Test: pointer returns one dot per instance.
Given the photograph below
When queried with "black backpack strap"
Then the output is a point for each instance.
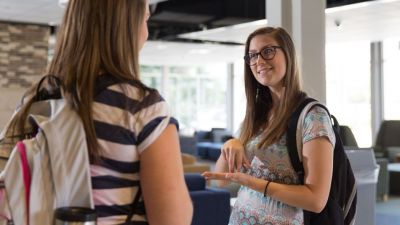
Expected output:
(53, 91)
(133, 206)
(291, 139)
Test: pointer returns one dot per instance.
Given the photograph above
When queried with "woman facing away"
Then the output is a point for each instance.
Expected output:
(131, 137)
(271, 192)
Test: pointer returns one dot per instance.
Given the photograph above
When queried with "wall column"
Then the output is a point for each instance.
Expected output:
(305, 21)
(377, 93)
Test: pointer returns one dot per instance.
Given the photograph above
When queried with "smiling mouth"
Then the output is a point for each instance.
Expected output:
(264, 70)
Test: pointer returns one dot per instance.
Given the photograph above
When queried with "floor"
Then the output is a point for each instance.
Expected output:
(388, 213)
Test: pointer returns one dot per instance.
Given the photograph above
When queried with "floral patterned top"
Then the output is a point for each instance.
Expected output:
(273, 163)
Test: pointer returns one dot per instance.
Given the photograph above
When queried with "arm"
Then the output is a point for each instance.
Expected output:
(318, 166)
(165, 193)
(312, 196)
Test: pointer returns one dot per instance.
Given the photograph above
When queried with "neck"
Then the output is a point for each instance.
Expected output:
(276, 96)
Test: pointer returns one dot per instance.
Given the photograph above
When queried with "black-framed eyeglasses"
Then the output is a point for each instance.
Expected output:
(266, 53)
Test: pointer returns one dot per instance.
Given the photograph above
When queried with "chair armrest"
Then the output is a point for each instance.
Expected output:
(195, 182)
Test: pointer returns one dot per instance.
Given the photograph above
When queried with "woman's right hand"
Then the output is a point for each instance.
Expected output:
(233, 153)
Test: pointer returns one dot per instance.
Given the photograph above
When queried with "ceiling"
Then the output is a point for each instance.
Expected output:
(204, 31)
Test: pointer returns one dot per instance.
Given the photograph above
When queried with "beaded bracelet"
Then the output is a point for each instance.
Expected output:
(266, 187)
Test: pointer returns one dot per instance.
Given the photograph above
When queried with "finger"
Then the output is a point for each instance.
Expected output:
(246, 162)
(214, 176)
(234, 177)
(238, 163)
(223, 151)
(231, 161)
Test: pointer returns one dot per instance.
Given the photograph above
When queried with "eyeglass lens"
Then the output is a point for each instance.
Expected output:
(267, 53)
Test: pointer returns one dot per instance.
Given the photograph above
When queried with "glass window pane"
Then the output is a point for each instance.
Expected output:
(391, 79)
(151, 76)
(239, 96)
(348, 87)
(196, 94)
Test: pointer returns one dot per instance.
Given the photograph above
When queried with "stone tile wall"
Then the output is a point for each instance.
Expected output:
(23, 59)
(23, 53)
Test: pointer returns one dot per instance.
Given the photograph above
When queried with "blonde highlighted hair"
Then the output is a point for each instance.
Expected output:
(95, 37)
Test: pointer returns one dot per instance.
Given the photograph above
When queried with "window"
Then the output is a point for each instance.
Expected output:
(391, 79)
(348, 87)
(196, 94)
(151, 76)
(239, 95)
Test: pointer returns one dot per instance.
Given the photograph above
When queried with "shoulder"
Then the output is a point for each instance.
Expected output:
(317, 123)
(131, 97)
(317, 114)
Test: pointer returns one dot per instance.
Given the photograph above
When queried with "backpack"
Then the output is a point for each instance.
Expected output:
(340, 208)
(43, 171)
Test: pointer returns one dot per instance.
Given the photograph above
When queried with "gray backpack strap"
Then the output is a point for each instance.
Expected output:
(294, 136)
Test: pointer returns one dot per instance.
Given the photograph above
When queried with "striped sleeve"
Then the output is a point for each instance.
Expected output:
(148, 116)
(151, 123)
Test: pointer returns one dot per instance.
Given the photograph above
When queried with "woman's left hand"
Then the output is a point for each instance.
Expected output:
(238, 177)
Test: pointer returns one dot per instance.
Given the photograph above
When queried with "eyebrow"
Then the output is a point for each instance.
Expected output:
(265, 46)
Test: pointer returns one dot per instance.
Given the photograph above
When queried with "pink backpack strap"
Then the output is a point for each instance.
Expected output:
(26, 175)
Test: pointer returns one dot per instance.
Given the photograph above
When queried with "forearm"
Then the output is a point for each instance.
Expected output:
(221, 167)
(301, 196)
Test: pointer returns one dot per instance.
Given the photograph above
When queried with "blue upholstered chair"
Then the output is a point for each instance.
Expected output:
(209, 143)
(211, 205)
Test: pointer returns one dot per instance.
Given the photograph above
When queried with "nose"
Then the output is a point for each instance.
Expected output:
(259, 57)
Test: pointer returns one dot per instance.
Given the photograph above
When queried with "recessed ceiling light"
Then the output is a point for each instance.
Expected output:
(161, 46)
(63, 3)
(199, 51)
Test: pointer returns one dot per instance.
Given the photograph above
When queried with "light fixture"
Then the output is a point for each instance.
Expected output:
(63, 3)
(199, 51)
(338, 24)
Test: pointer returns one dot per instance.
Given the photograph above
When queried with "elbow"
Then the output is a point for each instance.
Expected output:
(186, 211)
(189, 211)
(318, 205)
(190, 218)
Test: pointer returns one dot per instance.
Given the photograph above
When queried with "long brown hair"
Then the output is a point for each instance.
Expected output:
(99, 36)
(258, 108)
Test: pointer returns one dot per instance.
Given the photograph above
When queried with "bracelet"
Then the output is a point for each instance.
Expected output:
(266, 187)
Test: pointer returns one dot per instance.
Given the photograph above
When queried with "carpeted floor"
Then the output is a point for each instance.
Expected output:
(388, 213)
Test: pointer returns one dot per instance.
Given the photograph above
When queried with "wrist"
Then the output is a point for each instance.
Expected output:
(266, 188)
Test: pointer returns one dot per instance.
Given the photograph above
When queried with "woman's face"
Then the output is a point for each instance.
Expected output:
(268, 72)
(144, 32)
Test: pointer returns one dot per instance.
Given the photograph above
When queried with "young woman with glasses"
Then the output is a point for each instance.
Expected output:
(270, 191)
